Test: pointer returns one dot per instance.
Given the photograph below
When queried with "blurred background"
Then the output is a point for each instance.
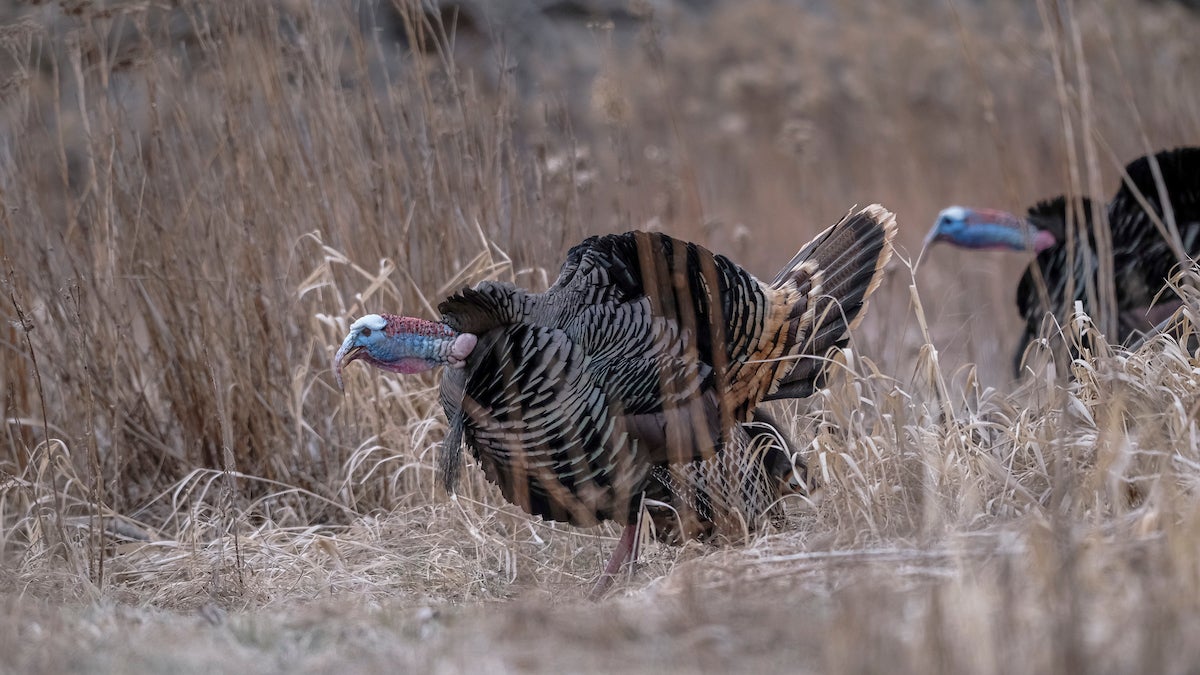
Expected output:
(198, 197)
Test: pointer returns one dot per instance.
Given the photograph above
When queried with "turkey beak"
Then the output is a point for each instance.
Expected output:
(345, 355)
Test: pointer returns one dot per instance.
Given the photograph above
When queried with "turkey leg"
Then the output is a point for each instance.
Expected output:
(620, 555)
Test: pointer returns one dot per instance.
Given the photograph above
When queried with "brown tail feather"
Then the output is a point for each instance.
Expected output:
(835, 274)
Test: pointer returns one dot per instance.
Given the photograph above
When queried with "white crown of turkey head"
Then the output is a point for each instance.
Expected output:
(954, 212)
(372, 321)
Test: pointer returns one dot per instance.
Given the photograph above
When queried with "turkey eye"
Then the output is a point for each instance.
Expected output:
(366, 332)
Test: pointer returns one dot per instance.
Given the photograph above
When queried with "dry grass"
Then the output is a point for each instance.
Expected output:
(196, 201)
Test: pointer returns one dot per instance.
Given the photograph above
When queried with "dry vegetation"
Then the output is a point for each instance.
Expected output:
(197, 200)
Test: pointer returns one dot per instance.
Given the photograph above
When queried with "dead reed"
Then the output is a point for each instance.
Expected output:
(197, 200)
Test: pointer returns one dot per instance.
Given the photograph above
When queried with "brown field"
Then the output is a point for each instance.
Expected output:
(197, 199)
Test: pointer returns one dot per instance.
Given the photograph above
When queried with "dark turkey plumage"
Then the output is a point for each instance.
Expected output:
(636, 377)
(1064, 232)
(647, 352)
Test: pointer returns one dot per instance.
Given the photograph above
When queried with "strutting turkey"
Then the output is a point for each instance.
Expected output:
(636, 377)
(1143, 253)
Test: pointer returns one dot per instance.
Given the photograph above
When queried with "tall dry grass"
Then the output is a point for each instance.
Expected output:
(198, 200)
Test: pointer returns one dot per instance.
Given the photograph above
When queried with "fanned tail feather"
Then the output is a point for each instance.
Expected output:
(834, 275)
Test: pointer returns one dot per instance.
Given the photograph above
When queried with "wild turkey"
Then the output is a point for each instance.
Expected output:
(1142, 257)
(636, 377)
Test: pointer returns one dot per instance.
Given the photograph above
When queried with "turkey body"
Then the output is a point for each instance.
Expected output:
(1140, 249)
(635, 378)
(1142, 255)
